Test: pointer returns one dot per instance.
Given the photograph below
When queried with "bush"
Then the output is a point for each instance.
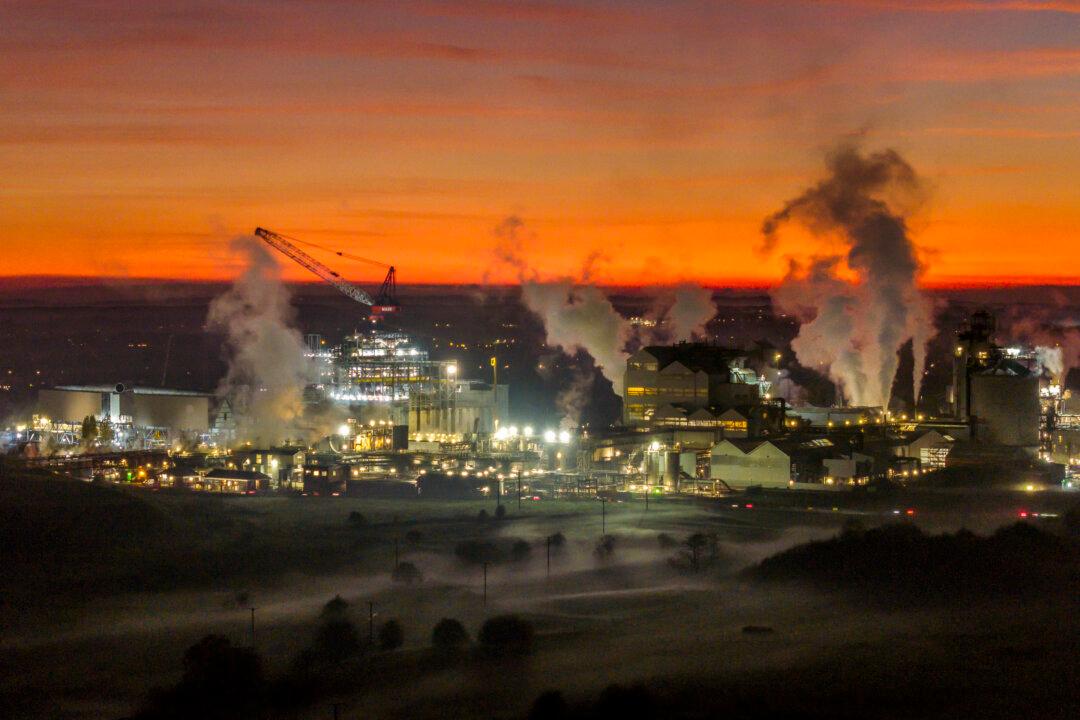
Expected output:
(520, 551)
(356, 519)
(500, 512)
(558, 541)
(605, 548)
(482, 516)
(407, 573)
(506, 635)
(391, 635)
(449, 636)
(476, 552)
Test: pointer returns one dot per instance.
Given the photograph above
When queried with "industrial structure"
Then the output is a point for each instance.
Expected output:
(992, 389)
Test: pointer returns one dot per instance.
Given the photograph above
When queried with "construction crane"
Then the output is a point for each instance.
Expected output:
(385, 301)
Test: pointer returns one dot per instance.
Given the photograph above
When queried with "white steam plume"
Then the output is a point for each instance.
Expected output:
(581, 318)
(691, 310)
(267, 369)
(572, 400)
(853, 330)
(576, 317)
(1057, 340)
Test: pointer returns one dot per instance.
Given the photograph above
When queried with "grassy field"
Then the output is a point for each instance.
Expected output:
(104, 588)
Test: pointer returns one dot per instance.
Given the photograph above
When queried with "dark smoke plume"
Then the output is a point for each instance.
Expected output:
(853, 330)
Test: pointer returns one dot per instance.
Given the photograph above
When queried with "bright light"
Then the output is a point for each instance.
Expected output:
(451, 369)
(550, 436)
(527, 431)
(513, 431)
(654, 446)
(343, 431)
(564, 437)
(502, 434)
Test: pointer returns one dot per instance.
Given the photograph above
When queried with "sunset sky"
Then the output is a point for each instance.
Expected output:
(136, 138)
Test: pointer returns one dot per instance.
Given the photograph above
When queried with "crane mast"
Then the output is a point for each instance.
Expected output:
(282, 245)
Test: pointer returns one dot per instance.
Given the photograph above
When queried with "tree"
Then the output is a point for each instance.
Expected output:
(407, 573)
(219, 680)
(356, 519)
(476, 552)
(335, 609)
(391, 635)
(605, 548)
(89, 430)
(520, 550)
(505, 635)
(106, 433)
(336, 640)
(449, 636)
(500, 512)
(550, 705)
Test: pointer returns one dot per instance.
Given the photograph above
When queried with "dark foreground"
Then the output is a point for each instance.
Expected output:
(119, 603)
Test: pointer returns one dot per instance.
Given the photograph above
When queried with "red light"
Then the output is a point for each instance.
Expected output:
(536, 497)
(1023, 513)
(911, 511)
(749, 506)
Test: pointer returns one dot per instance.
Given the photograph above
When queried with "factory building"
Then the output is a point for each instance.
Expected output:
(172, 410)
(1065, 448)
(689, 377)
(930, 448)
(282, 465)
(740, 464)
(996, 393)
(386, 380)
(802, 462)
(458, 408)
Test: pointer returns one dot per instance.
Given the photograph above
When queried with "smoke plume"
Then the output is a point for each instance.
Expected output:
(690, 311)
(580, 317)
(267, 369)
(510, 235)
(853, 329)
(576, 316)
(572, 400)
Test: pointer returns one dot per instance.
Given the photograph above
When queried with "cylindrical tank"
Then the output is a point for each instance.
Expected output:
(1006, 407)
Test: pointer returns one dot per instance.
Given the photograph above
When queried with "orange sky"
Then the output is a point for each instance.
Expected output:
(137, 138)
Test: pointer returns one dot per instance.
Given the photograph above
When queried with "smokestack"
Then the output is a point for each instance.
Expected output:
(853, 330)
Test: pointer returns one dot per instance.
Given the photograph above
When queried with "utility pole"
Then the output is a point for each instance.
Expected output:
(603, 516)
(252, 628)
(548, 543)
(485, 583)
(519, 490)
